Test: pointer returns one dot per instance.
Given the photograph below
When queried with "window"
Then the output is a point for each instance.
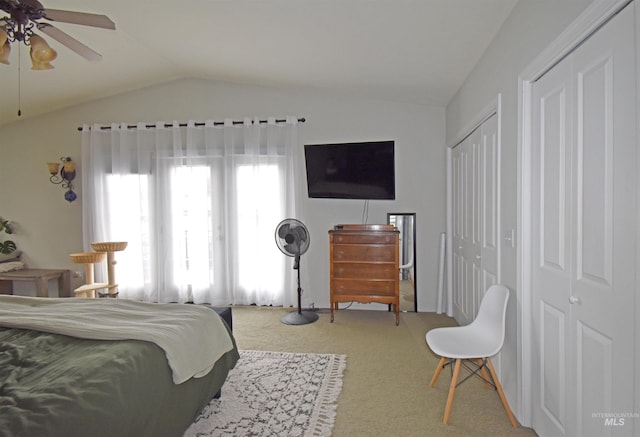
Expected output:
(259, 210)
(198, 207)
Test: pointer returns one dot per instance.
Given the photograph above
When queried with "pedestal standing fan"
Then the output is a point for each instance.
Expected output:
(292, 238)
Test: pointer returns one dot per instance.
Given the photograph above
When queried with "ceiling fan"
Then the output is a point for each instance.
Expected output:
(24, 18)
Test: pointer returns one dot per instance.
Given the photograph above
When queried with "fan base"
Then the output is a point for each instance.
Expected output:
(299, 318)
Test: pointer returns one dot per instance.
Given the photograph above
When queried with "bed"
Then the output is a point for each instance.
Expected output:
(78, 367)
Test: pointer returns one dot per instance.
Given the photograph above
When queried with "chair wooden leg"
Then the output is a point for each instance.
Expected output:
(484, 374)
(441, 364)
(501, 394)
(452, 390)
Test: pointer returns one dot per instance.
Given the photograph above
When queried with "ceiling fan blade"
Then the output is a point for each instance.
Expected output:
(70, 42)
(83, 18)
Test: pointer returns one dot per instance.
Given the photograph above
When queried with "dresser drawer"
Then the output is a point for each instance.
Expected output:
(357, 238)
(364, 252)
(357, 287)
(365, 270)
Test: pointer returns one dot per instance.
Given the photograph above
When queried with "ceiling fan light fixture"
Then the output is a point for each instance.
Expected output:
(5, 47)
(41, 53)
(41, 65)
(24, 16)
(5, 51)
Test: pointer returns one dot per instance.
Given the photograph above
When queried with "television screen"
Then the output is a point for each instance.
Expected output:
(351, 170)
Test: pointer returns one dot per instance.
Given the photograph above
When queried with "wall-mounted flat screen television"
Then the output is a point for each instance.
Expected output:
(364, 170)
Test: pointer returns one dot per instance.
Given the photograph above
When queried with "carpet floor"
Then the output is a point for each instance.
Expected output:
(385, 389)
(275, 394)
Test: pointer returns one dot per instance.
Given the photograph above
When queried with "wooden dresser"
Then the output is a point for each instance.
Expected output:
(364, 265)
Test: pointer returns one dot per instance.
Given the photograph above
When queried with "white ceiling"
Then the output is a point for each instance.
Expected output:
(416, 51)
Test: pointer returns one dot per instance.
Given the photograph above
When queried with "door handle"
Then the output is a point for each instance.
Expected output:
(573, 300)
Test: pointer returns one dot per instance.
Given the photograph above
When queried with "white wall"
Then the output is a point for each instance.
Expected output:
(531, 26)
(48, 228)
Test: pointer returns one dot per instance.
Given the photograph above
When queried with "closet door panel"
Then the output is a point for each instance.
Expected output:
(594, 171)
(605, 223)
(458, 211)
(489, 247)
(467, 221)
(584, 236)
(475, 221)
(553, 176)
(550, 258)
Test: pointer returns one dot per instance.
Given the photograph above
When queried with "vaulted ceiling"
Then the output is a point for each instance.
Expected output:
(417, 51)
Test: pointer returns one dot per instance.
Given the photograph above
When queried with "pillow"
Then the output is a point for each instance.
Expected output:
(13, 256)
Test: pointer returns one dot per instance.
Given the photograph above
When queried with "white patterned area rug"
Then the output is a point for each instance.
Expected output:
(275, 394)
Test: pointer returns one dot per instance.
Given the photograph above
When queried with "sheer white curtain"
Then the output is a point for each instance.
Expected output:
(198, 206)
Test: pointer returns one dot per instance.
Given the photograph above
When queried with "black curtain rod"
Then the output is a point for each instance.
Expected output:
(215, 123)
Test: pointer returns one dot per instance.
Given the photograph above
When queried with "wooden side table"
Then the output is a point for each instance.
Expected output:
(41, 278)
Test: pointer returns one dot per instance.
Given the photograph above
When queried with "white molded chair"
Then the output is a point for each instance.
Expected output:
(475, 343)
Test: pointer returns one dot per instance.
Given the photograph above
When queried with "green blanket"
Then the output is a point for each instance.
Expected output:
(192, 339)
(55, 385)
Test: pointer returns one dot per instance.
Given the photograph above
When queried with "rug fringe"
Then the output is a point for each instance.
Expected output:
(325, 415)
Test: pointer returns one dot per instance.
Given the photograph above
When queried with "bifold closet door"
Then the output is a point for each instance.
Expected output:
(475, 220)
(583, 237)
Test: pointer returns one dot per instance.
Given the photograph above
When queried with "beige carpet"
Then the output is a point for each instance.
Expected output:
(385, 389)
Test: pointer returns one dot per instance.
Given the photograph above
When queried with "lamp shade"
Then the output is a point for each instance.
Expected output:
(5, 47)
(69, 166)
(5, 50)
(41, 53)
(53, 167)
